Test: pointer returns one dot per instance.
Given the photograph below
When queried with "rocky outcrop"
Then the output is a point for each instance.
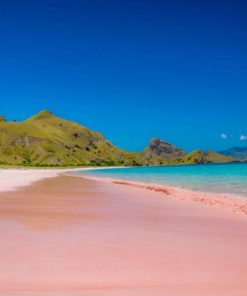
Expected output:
(161, 148)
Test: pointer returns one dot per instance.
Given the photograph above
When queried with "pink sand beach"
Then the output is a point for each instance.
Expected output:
(69, 235)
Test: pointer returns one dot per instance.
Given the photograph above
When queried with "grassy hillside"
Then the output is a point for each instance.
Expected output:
(46, 140)
(200, 157)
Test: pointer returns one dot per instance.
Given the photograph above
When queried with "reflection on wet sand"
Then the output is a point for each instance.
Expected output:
(50, 203)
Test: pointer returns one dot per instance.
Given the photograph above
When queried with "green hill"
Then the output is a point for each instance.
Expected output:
(200, 157)
(159, 152)
(46, 140)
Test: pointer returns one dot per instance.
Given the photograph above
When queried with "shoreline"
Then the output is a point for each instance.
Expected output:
(234, 203)
(13, 178)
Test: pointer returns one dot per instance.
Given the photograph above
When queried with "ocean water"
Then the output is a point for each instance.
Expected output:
(218, 178)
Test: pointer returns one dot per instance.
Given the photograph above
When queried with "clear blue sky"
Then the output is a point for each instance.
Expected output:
(129, 69)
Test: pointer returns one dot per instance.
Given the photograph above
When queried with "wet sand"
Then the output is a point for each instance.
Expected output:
(73, 236)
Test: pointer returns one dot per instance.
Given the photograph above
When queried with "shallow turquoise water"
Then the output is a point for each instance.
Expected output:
(220, 178)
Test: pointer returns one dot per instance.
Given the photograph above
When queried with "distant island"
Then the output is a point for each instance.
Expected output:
(239, 153)
(45, 140)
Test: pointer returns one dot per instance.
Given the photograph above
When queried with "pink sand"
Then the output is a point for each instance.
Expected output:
(234, 203)
(73, 236)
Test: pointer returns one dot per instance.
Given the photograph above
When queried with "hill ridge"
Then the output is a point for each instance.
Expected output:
(47, 140)
(239, 153)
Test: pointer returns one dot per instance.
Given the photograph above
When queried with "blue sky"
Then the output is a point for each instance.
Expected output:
(130, 69)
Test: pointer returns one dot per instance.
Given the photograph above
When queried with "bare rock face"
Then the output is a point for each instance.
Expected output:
(161, 148)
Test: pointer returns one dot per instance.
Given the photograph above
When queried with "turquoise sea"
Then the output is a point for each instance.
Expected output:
(219, 178)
